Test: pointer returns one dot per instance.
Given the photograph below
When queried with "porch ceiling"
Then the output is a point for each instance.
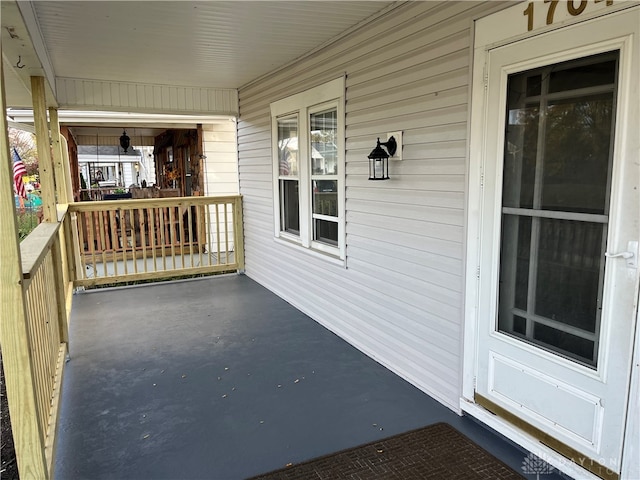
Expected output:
(214, 44)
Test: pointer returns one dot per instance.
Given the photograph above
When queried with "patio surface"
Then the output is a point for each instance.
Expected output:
(218, 378)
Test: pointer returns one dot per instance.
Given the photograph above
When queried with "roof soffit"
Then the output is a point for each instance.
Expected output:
(220, 44)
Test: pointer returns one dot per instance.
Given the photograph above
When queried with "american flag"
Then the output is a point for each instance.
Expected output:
(18, 172)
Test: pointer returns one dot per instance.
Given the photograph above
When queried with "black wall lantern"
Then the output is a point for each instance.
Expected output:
(125, 141)
(379, 159)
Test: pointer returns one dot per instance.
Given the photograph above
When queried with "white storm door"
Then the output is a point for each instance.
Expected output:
(556, 307)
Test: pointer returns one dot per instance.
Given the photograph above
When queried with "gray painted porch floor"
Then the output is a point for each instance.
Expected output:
(218, 378)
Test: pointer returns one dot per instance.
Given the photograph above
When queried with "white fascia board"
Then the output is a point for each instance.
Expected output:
(78, 117)
(84, 158)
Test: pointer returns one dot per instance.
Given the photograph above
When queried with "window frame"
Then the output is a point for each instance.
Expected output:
(317, 99)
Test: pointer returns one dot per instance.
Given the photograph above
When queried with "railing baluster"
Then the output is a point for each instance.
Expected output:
(217, 206)
(143, 236)
(172, 235)
(190, 224)
(102, 240)
(92, 244)
(34, 316)
(181, 231)
(162, 238)
(134, 251)
(123, 239)
(207, 223)
(113, 235)
(51, 325)
(226, 233)
(201, 231)
(83, 265)
(152, 235)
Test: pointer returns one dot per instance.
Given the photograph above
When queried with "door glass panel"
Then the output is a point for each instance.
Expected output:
(569, 257)
(577, 143)
(521, 151)
(534, 83)
(594, 71)
(556, 185)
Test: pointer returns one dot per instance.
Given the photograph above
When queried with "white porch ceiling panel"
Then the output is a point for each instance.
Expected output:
(210, 44)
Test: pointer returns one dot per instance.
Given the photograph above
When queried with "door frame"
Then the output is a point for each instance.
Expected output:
(498, 29)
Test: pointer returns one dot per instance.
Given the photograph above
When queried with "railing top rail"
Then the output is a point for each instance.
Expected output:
(34, 248)
(149, 203)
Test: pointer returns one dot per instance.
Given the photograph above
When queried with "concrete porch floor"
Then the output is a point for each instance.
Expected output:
(218, 378)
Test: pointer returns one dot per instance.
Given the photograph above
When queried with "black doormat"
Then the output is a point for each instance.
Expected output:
(435, 452)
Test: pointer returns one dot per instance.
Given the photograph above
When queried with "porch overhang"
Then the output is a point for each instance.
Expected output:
(105, 127)
(185, 58)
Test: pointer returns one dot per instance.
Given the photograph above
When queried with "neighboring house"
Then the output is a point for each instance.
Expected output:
(497, 268)
(109, 166)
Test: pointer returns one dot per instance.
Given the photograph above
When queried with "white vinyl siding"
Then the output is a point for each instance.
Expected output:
(220, 167)
(400, 297)
(220, 170)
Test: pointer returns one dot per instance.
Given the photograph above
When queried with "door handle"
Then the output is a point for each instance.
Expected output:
(631, 255)
(617, 255)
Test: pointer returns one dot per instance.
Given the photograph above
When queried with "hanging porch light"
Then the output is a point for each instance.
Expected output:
(125, 141)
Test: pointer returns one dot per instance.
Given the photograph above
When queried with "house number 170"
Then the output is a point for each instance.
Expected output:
(574, 7)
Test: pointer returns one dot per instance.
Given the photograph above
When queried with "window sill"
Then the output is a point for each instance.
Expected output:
(326, 256)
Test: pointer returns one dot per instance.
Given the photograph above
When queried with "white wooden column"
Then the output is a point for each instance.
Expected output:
(16, 359)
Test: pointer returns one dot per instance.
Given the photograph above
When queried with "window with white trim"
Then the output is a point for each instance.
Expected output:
(308, 168)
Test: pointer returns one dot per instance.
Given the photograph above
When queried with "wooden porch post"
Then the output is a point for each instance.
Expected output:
(74, 264)
(201, 160)
(47, 176)
(238, 229)
(64, 192)
(21, 394)
(62, 175)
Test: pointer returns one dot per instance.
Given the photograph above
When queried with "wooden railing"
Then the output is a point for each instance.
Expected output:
(95, 243)
(46, 292)
(151, 239)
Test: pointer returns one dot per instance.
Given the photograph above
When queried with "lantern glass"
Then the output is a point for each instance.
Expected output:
(378, 169)
(378, 163)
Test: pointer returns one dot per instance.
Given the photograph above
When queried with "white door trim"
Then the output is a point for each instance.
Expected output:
(478, 117)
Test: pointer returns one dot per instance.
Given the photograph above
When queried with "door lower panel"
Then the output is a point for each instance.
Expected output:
(542, 398)
(563, 449)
